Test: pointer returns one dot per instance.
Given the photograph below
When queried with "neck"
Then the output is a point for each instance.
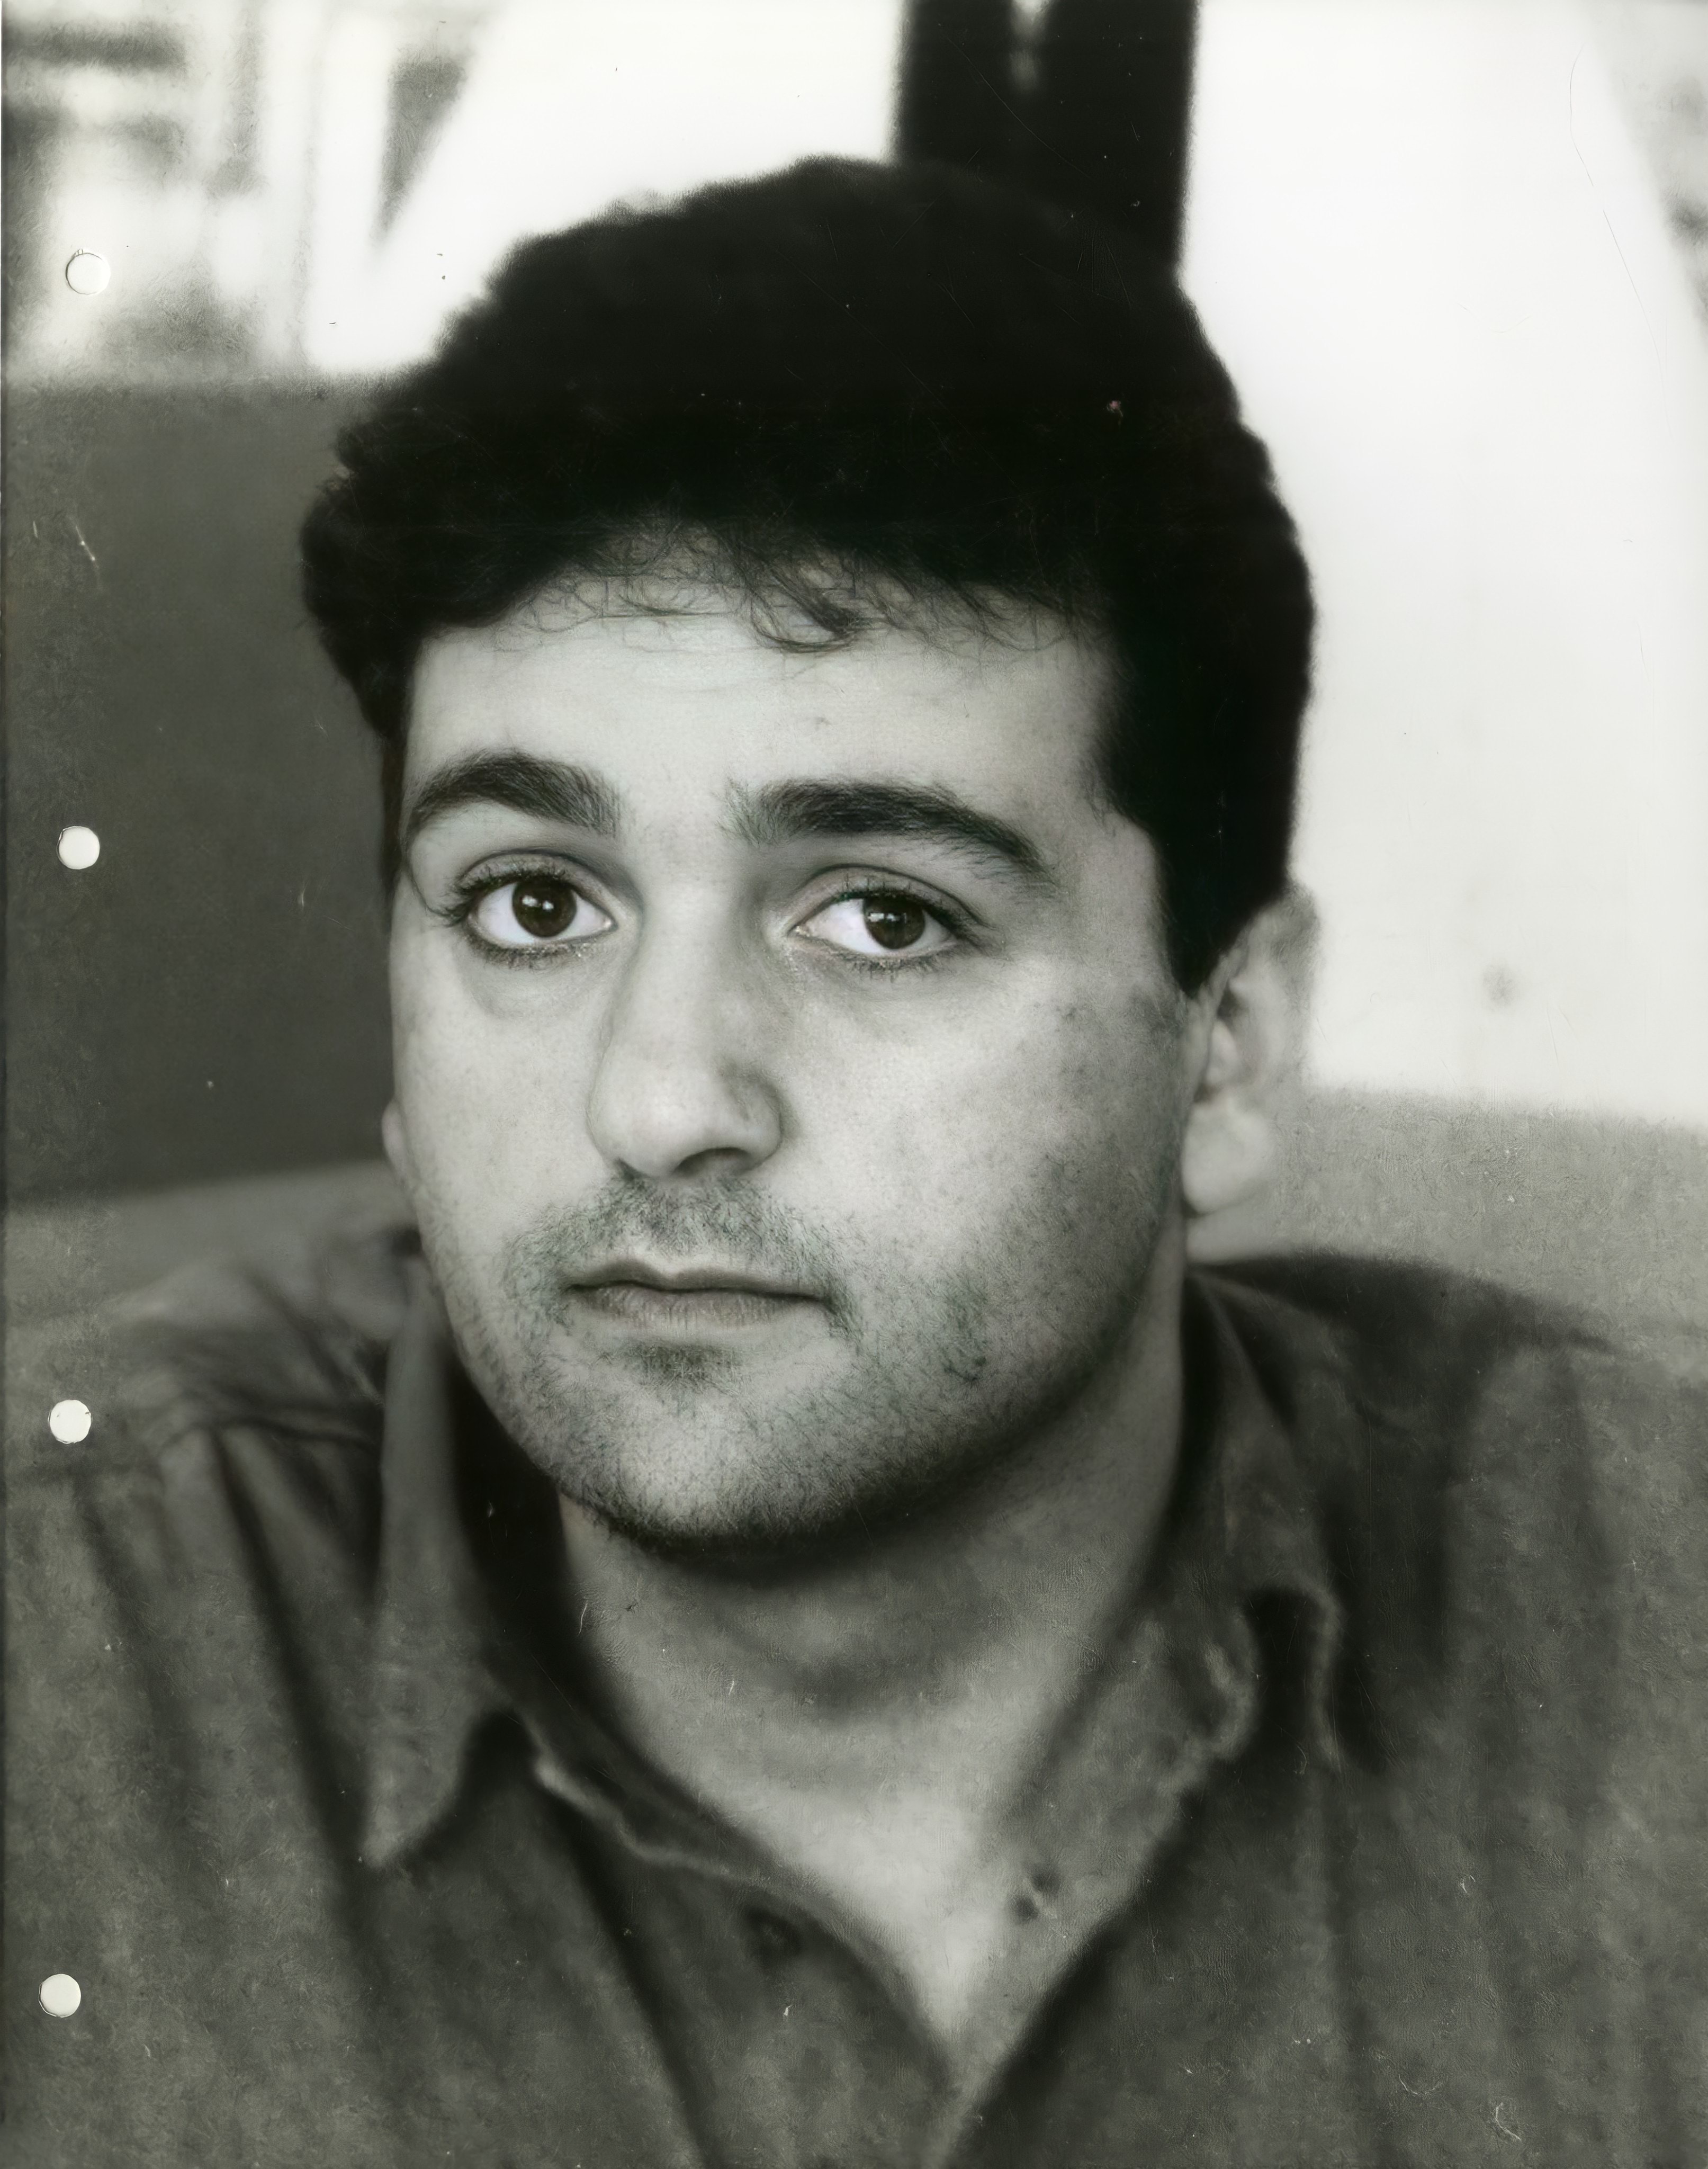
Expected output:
(940, 1653)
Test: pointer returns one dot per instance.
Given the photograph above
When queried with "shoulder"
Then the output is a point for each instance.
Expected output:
(231, 1410)
(1450, 1378)
(1501, 1481)
(1512, 1498)
(189, 1599)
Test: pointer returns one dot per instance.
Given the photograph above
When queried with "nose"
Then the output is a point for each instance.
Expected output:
(682, 1088)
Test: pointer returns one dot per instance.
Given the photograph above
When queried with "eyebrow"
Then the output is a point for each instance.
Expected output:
(797, 811)
(552, 790)
(778, 814)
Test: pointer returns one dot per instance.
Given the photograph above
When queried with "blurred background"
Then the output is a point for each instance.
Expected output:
(1455, 253)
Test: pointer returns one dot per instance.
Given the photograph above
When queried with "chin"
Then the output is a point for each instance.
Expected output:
(767, 1524)
(752, 1550)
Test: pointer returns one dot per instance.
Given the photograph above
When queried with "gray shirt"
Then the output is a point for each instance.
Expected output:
(1374, 1835)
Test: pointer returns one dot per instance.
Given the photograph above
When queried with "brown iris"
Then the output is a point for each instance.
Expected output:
(542, 908)
(894, 922)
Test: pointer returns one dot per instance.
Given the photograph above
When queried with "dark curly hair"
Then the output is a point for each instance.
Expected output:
(842, 384)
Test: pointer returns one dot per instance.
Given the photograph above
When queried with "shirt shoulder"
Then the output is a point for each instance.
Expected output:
(189, 1598)
(1452, 1379)
(296, 1350)
(1515, 1499)
(231, 1466)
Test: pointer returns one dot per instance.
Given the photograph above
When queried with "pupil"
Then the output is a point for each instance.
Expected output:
(543, 909)
(894, 922)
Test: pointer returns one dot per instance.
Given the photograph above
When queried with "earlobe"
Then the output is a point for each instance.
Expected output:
(397, 1145)
(1227, 1155)
(1255, 1044)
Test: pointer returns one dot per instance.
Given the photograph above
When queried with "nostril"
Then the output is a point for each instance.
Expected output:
(682, 1086)
(716, 1159)
(665, 1124)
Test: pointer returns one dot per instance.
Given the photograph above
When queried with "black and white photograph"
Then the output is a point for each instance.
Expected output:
(855, 1286)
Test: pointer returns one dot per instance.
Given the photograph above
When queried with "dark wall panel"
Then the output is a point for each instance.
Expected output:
(209, 999)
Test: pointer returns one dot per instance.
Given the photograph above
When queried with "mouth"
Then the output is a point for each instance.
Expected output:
(628, 1291)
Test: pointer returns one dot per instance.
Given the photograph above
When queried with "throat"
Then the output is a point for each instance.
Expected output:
(942, 1900)
(881, 1728)
(909, 1823)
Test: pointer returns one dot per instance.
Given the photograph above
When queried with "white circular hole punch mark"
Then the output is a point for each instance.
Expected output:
(70, 1422)
(88, 272)
(78, 849)
(60, 1996)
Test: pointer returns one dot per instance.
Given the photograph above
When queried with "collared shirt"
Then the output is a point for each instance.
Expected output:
(1375, 1833)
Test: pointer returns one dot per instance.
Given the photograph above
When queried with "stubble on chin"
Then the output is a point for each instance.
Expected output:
(913, 1389)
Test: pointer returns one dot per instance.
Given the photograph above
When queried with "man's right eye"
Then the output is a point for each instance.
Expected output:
(537, 911)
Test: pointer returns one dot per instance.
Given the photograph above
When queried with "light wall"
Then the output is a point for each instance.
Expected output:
(1441, 272)
(568, 105)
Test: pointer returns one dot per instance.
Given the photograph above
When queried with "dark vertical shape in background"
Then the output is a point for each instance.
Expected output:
(1095, 111)
(957, 98)
(1110, 112)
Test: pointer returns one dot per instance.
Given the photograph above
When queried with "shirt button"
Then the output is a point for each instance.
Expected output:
(1035, 1892)
(773, 1938)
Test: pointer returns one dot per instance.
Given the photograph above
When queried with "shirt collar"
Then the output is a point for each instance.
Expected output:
(452, 1647)
(1260, 1523)
(433, 1681)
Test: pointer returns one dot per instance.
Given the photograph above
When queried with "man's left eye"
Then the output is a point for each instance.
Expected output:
(882, 923)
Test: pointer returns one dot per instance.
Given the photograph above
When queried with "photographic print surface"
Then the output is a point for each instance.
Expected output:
(323, 1719)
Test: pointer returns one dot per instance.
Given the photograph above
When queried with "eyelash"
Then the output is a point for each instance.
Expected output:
(952, 921)
(472, 891)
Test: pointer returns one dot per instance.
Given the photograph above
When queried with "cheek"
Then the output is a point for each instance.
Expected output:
(489, 1104)
(1062, 1111)
(1102, 1137)
(1122, 1069)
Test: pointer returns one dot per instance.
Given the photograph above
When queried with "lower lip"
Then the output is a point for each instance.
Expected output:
(676, 1310)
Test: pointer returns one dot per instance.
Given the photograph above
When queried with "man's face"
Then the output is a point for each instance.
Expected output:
(790, 1078)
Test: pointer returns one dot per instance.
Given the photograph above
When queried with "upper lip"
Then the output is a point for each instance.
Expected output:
(685, 1280)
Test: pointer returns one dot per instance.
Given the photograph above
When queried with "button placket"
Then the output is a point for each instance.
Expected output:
(774, 1938)
(1037, 1893)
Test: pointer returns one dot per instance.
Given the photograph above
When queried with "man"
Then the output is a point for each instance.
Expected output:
(785, 1626)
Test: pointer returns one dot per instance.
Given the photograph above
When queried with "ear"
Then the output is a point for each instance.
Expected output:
(396, 1146)
(1261, 996)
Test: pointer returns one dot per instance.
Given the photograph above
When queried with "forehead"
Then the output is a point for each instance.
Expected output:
(668, 707)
